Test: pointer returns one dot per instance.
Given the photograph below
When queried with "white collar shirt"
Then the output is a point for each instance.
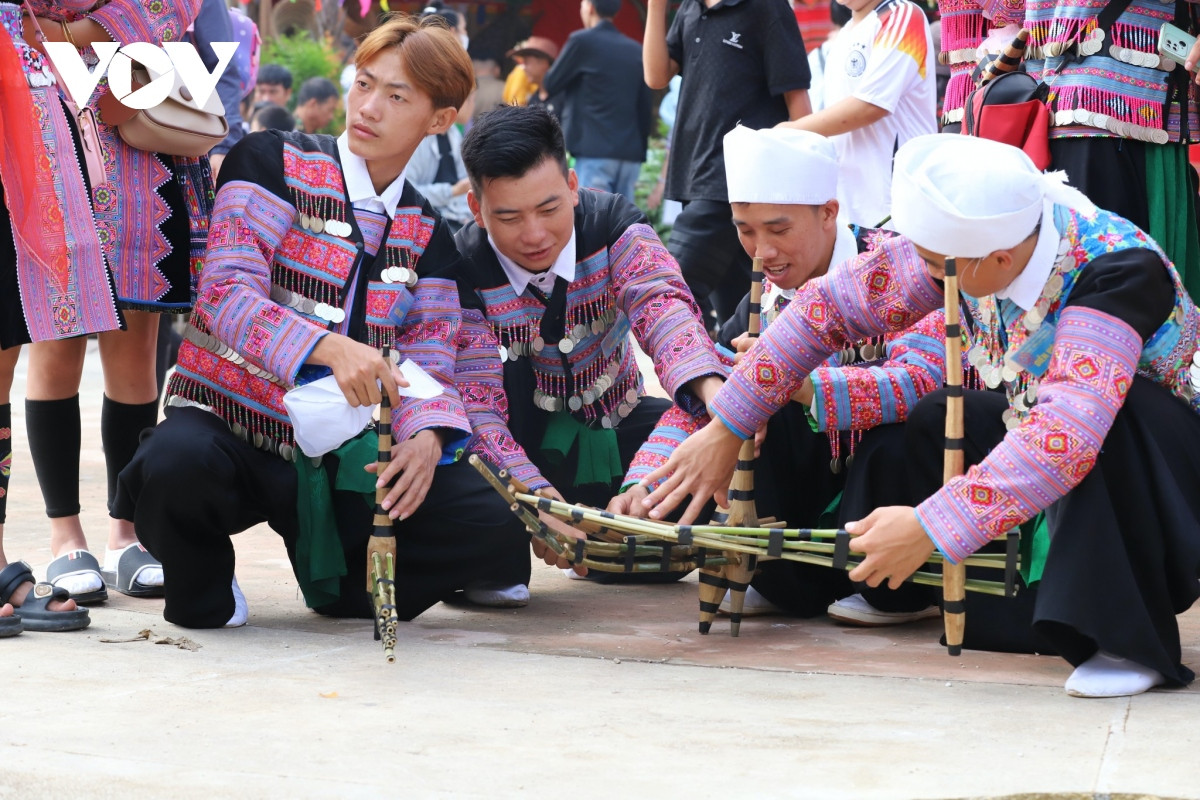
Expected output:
(1027, 287)
(520, 278)
(359, 188)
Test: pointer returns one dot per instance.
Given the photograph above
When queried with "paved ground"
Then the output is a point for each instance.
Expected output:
(588, 692)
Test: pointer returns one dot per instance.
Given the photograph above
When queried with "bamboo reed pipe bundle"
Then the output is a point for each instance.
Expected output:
(729, 541)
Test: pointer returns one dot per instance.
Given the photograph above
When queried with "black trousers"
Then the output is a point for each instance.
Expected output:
(711, 258)
(794, 481)
(1110, 171)
(193, 484)
(1124, 552)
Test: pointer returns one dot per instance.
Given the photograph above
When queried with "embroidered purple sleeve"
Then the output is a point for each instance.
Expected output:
(234, 296)
(886, 289)
(479, 375)
(673, 427)
(1091, 370)
(861, 398)
(427, 336)
(154, 22)
(664, 317)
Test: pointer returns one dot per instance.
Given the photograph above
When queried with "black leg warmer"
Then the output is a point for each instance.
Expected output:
(121, 427)
(54, 439)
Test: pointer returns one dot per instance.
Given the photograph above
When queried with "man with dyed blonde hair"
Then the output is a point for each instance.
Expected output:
(320, 254)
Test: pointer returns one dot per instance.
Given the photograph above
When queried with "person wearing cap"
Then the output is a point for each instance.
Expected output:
(879, 91)
(1085, 326)
(557, 279)
(846, 412)
(742, 63)
(604, 103)
(524, 84)
(321, 254)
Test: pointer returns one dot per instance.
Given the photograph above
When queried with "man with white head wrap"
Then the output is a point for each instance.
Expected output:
(1085, 324)
(783, 187)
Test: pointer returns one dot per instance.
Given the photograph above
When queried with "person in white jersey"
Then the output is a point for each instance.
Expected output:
(880, 91)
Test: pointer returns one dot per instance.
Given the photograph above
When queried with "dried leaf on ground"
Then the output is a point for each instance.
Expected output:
(141, 637)
(183, 643)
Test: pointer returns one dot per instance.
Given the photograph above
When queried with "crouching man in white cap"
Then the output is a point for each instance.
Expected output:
(1085, 324)
(822, 446)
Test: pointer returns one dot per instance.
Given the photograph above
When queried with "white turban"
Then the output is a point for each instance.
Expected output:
(780, 165)
(968, 197)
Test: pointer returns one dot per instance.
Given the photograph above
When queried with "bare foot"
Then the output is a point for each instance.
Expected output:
(6, 610)
(21, 592)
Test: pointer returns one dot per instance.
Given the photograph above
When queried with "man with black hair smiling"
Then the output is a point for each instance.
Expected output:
(563, 277)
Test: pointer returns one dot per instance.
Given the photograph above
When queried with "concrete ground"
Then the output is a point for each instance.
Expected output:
(591, 691)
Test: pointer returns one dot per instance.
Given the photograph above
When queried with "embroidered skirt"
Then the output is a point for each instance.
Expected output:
(38, 301)
(152, 216)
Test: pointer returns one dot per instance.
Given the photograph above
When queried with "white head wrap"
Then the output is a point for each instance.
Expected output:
(780, 165)
(968, 197)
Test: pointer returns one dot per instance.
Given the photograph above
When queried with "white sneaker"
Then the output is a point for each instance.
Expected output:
(493, 595)
(572, 575)
(755, 606)
(855, 610)
(1105, 675)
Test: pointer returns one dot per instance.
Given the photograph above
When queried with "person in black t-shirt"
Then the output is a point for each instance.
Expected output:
(743, 61)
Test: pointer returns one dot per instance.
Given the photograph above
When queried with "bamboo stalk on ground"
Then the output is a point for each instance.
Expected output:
(954, 575)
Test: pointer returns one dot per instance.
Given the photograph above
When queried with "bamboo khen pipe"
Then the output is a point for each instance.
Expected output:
(381, 546)
(954, 575)
(743, 512)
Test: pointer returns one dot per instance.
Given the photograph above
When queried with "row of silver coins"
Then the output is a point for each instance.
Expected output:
(403, 275)
(306, 305)
(1089, 46)
(206, 341)
(868, 352)
(1126, 130)
(623, 410)
(548, 402)
(334, 227)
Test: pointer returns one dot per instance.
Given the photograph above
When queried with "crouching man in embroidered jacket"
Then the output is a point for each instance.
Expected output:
(559, 279)
(319, 254)
(1085, 323)
(818, 455)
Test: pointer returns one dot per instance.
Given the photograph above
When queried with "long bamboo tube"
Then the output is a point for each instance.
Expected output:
(743, 511)
(954, 575)
(381, 546)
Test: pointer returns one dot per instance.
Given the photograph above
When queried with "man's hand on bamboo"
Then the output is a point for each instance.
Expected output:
(412, 465)
(701, 467)
(544, 551)
(895, 545)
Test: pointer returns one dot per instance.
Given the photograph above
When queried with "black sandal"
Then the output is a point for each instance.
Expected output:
(10, 626)
(34, 614)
